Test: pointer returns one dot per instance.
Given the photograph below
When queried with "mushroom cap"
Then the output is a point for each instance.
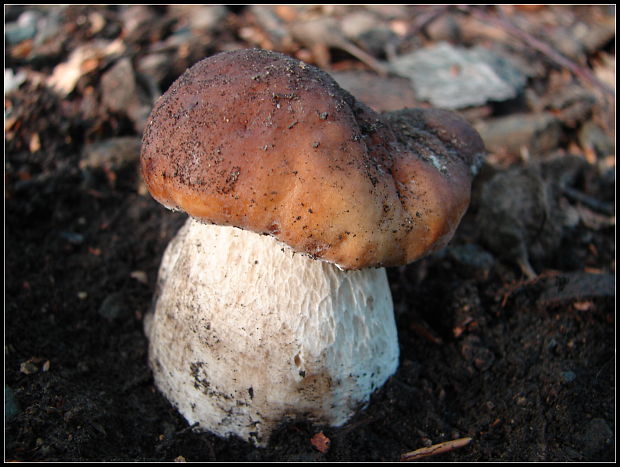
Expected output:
(264, 142)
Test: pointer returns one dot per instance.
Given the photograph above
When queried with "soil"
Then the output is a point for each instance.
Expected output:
(525, 367)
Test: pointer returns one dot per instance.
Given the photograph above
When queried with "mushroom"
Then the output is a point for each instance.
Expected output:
(272, 301)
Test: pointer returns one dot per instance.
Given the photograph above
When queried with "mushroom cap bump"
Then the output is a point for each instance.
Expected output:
(261, 141)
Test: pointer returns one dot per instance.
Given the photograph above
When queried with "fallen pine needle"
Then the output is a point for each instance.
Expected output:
(435, 449)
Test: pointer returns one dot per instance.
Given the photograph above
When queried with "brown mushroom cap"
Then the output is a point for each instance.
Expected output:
(264, 142)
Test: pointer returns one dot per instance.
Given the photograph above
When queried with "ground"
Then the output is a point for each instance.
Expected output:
(523, 365)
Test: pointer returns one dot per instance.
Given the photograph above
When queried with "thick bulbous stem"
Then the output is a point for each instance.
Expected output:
(246, 334)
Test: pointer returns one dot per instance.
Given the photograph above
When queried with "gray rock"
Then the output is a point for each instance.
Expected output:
(11, 406)
(113, 153)
(368, 31)
(597, 436)
(455, 77)
(592, 136)
(201, 18)
(121, 93)
(521, 220)
(13, 80)
(113, 307)
(24, 28)
(539, 133)
(568, 376)
(472, 260)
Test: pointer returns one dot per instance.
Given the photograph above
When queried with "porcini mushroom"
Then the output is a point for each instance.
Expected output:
(272, 301)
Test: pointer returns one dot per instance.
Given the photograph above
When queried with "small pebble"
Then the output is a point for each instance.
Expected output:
(521, 401)
(598, 435)
(568, 376)
(140, 276)
(28, 368)
(72, 237)
(456, 77)
(13, 80)
(11, 406)
(113, 306)
(24, 28)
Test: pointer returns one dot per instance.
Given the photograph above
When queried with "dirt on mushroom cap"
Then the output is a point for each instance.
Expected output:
(261, 141)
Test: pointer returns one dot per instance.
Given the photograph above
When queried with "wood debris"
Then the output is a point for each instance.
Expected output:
(435, 449)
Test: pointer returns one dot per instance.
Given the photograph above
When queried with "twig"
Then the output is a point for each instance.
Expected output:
(553, 289)
(544, 48)
(421, 22)
(435, 449)
(589, 201)
(427, 18)
(354, 425)
(326, 32)
(187, 428)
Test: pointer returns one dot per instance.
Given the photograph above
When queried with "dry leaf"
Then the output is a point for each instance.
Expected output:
(320, 442)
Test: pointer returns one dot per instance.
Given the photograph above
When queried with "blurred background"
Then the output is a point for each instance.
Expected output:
(506, 336)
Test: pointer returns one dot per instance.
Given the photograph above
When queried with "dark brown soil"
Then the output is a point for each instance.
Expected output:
(524, 368)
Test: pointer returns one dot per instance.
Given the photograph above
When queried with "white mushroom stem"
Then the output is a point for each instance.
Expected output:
(247, 334)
